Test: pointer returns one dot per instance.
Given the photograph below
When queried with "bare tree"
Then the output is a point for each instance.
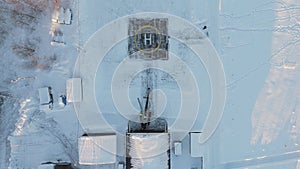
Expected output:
(24, 50)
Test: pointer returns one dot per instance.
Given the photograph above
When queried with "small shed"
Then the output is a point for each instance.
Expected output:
(45, 96)
(196, 150)
(121, 166)
(57, 38)
(63, 16)
(68, 16)
(95, 149)
(74, 90)
(177, 148)
(46, 166)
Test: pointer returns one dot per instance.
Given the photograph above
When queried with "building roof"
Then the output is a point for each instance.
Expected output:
(97, 149)
(64, 16)
(195, 146)
(148, 150)
(74, 90)
(177, 148)
(68, 16)
(46, 166)
(44, 95)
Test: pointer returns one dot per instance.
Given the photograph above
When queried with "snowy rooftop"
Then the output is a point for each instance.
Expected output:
(46, 166)
(95, 150)
(148, 150)
(74, 90)
(44, 95)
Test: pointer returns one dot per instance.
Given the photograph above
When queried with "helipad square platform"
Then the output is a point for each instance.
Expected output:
(148, 38)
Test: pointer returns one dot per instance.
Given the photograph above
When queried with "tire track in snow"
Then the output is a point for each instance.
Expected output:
(261, 160)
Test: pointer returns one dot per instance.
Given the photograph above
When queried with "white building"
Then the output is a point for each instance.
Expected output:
(177, 148)
(74, 90)
(46, 166)
(46, 98)
(96, 149)
(196, 150)
(44, 94)
(63, 16)
(68, 16)
(148, 150)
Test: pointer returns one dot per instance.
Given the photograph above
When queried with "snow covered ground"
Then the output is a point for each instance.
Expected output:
(257, 42)
(263, 80)
(30, 136)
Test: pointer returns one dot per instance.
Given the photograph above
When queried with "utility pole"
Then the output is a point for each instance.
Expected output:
(145, 115)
